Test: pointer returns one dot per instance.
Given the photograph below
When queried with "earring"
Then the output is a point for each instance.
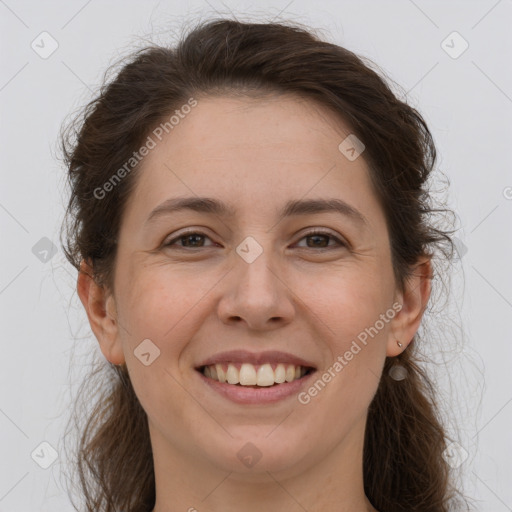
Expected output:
(399, 344)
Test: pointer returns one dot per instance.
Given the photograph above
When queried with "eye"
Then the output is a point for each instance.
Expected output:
(191, 239)
(317, 236)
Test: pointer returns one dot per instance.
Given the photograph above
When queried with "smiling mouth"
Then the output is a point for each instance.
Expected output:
(249, 375)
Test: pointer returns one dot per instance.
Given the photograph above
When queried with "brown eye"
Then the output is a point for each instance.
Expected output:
(192, 239)
(195, 240)
(320, 240)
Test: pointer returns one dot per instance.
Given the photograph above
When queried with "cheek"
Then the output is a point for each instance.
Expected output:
(154, 303)
(358, 315)
(357, 308)
(155, 306)
(349, 301)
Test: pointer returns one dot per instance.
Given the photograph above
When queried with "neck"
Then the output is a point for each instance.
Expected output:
(331, 482)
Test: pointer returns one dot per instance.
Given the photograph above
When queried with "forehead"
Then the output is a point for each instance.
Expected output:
(250, 152)
(220, 123)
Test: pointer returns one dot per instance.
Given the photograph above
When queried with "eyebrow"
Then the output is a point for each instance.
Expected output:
(293, 207)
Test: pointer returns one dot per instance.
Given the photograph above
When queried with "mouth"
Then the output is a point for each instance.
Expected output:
(249, 378)
(256, 376)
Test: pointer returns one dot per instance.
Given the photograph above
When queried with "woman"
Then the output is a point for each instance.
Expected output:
(252, 228)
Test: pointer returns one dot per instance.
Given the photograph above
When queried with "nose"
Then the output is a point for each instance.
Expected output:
(257, 295)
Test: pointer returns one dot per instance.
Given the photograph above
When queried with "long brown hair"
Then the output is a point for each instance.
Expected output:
(404, 468)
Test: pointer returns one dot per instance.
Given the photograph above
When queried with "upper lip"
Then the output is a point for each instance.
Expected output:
(257, 358)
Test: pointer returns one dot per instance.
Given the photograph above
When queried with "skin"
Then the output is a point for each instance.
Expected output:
(255, 154)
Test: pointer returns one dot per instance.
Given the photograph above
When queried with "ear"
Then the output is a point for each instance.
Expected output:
(414, 301)
(101, 311)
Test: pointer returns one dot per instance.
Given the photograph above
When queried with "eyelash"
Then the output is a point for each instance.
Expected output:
(328, 234)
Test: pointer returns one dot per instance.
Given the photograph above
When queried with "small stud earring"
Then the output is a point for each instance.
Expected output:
(399, 344)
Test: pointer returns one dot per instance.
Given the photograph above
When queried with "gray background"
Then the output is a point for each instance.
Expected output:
(467, 101)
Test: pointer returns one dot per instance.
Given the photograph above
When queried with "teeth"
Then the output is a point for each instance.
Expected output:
(221, 374)
(280, 374)
(250, 375)
(232, 375)
(266, 375)
(247, 375)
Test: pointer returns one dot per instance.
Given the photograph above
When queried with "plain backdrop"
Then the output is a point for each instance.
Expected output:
(452, 59)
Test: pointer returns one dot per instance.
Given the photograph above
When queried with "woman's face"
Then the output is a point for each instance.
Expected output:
(255, 282)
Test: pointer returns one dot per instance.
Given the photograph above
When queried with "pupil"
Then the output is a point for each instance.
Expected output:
(324, 237)
(188, 237)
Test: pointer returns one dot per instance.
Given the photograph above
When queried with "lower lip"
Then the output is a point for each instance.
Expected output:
(261, 395)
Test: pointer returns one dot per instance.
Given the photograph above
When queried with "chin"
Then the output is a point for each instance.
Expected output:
(254, 451)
